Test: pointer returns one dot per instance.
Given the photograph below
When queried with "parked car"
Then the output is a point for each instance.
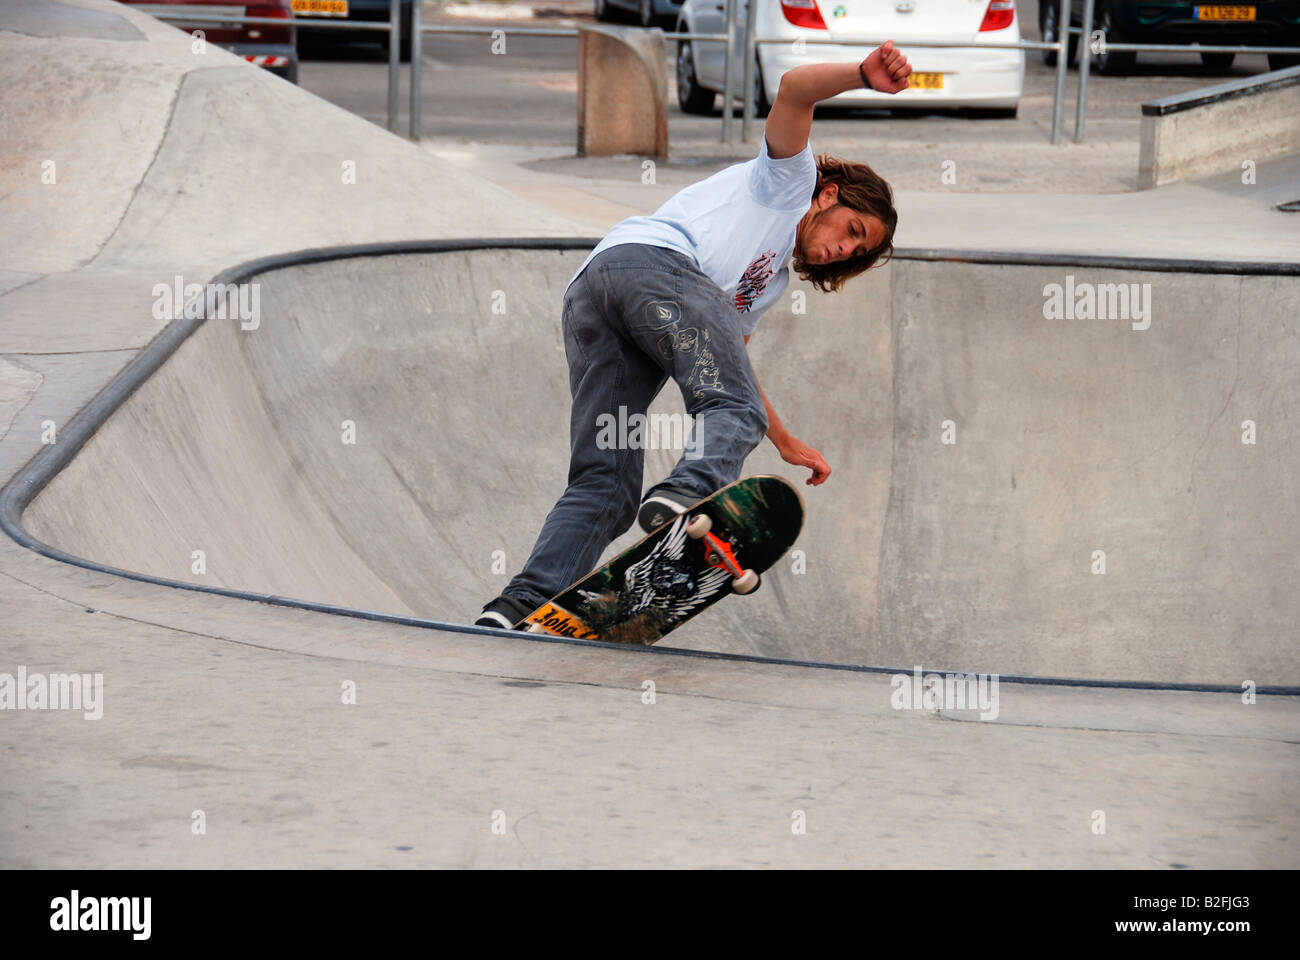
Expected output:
(274, 48)
(648, 13)
(369, 11)
(987, 80)
(1272, 23)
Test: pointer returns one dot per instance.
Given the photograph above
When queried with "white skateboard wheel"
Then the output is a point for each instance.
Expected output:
(699, 525)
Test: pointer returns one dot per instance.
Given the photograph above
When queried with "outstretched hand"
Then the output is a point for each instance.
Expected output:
(799, 454)
(887, 69)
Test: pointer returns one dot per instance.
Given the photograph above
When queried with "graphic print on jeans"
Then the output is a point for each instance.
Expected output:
(754, 281)
(665, 316)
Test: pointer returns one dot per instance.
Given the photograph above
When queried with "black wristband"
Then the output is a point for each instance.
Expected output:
(863, 74)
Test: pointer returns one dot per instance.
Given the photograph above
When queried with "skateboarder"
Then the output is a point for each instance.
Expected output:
(678, 294)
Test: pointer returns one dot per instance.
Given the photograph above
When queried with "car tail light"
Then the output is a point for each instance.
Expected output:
(264, 32)
(999, 14)
(803, 13)
(269, 10)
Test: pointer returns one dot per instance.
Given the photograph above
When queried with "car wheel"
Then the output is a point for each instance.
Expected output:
(1281, 61)
(645, 10)
(691, 97)
(602, 10)
(1113, 61)
(1218, 61)
(1048, 14)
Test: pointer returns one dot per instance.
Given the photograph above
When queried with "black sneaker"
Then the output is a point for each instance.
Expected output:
(503, 612)
(662, 505)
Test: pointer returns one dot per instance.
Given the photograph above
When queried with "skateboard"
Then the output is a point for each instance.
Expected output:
(720, 545)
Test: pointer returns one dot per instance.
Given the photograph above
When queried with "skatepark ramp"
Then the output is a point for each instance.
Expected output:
(1044, 466)
(390, 429)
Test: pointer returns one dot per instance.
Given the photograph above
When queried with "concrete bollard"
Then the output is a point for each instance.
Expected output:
(622, 91)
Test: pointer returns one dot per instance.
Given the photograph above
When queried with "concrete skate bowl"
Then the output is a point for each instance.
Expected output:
(1011, 493)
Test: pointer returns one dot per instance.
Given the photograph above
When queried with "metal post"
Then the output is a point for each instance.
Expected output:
(726, 74)
(394, 58)
(1085, 60)
(417, 51)
(1062, 63)
(750, 54)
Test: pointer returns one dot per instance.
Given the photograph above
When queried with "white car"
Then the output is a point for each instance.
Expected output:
(988, 80)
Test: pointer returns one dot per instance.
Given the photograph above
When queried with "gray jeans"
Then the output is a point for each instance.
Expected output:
(637, 315)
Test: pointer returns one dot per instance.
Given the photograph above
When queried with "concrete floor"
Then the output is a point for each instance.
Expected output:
(310, 739)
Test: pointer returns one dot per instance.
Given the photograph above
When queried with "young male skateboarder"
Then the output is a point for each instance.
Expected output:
(678, 294)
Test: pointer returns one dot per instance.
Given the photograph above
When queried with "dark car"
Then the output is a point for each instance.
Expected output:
(648, 13)
(274, 48)
(1272, 23)
(369, 11)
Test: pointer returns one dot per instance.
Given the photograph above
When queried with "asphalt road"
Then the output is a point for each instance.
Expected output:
(526, 97)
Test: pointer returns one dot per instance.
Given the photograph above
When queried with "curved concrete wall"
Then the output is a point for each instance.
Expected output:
(1067, 437)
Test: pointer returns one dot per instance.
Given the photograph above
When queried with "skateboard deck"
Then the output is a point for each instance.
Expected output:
(655, 586)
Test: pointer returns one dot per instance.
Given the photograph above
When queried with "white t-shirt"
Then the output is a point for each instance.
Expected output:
(738, 225)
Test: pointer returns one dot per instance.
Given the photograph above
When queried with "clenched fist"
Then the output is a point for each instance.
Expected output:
(887, 69)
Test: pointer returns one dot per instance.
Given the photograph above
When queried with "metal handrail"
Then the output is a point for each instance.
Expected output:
(554, 32)
(1187, 47)
(1095, 38)
(751, 43)
(392, 28)
(376, 25)
(728, 124)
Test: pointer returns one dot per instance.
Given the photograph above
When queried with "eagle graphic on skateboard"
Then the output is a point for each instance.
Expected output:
(721, 545)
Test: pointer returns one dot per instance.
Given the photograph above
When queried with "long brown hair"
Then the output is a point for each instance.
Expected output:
(863, 190)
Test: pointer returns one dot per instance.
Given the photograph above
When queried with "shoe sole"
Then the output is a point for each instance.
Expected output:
(656, 511)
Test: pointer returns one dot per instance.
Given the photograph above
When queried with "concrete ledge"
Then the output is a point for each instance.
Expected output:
(622, 92)
(1218, 128)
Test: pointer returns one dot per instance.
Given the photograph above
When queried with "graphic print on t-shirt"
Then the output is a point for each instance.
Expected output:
(754, 281)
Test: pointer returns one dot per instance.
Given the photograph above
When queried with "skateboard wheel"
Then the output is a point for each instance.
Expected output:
(747, 582)
(699, 525)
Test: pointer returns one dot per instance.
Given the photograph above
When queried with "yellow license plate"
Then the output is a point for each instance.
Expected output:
(321, 8)
(925, 81)
(1225, 13)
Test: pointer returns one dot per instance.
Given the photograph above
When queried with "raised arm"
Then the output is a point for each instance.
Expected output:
(802, 88)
